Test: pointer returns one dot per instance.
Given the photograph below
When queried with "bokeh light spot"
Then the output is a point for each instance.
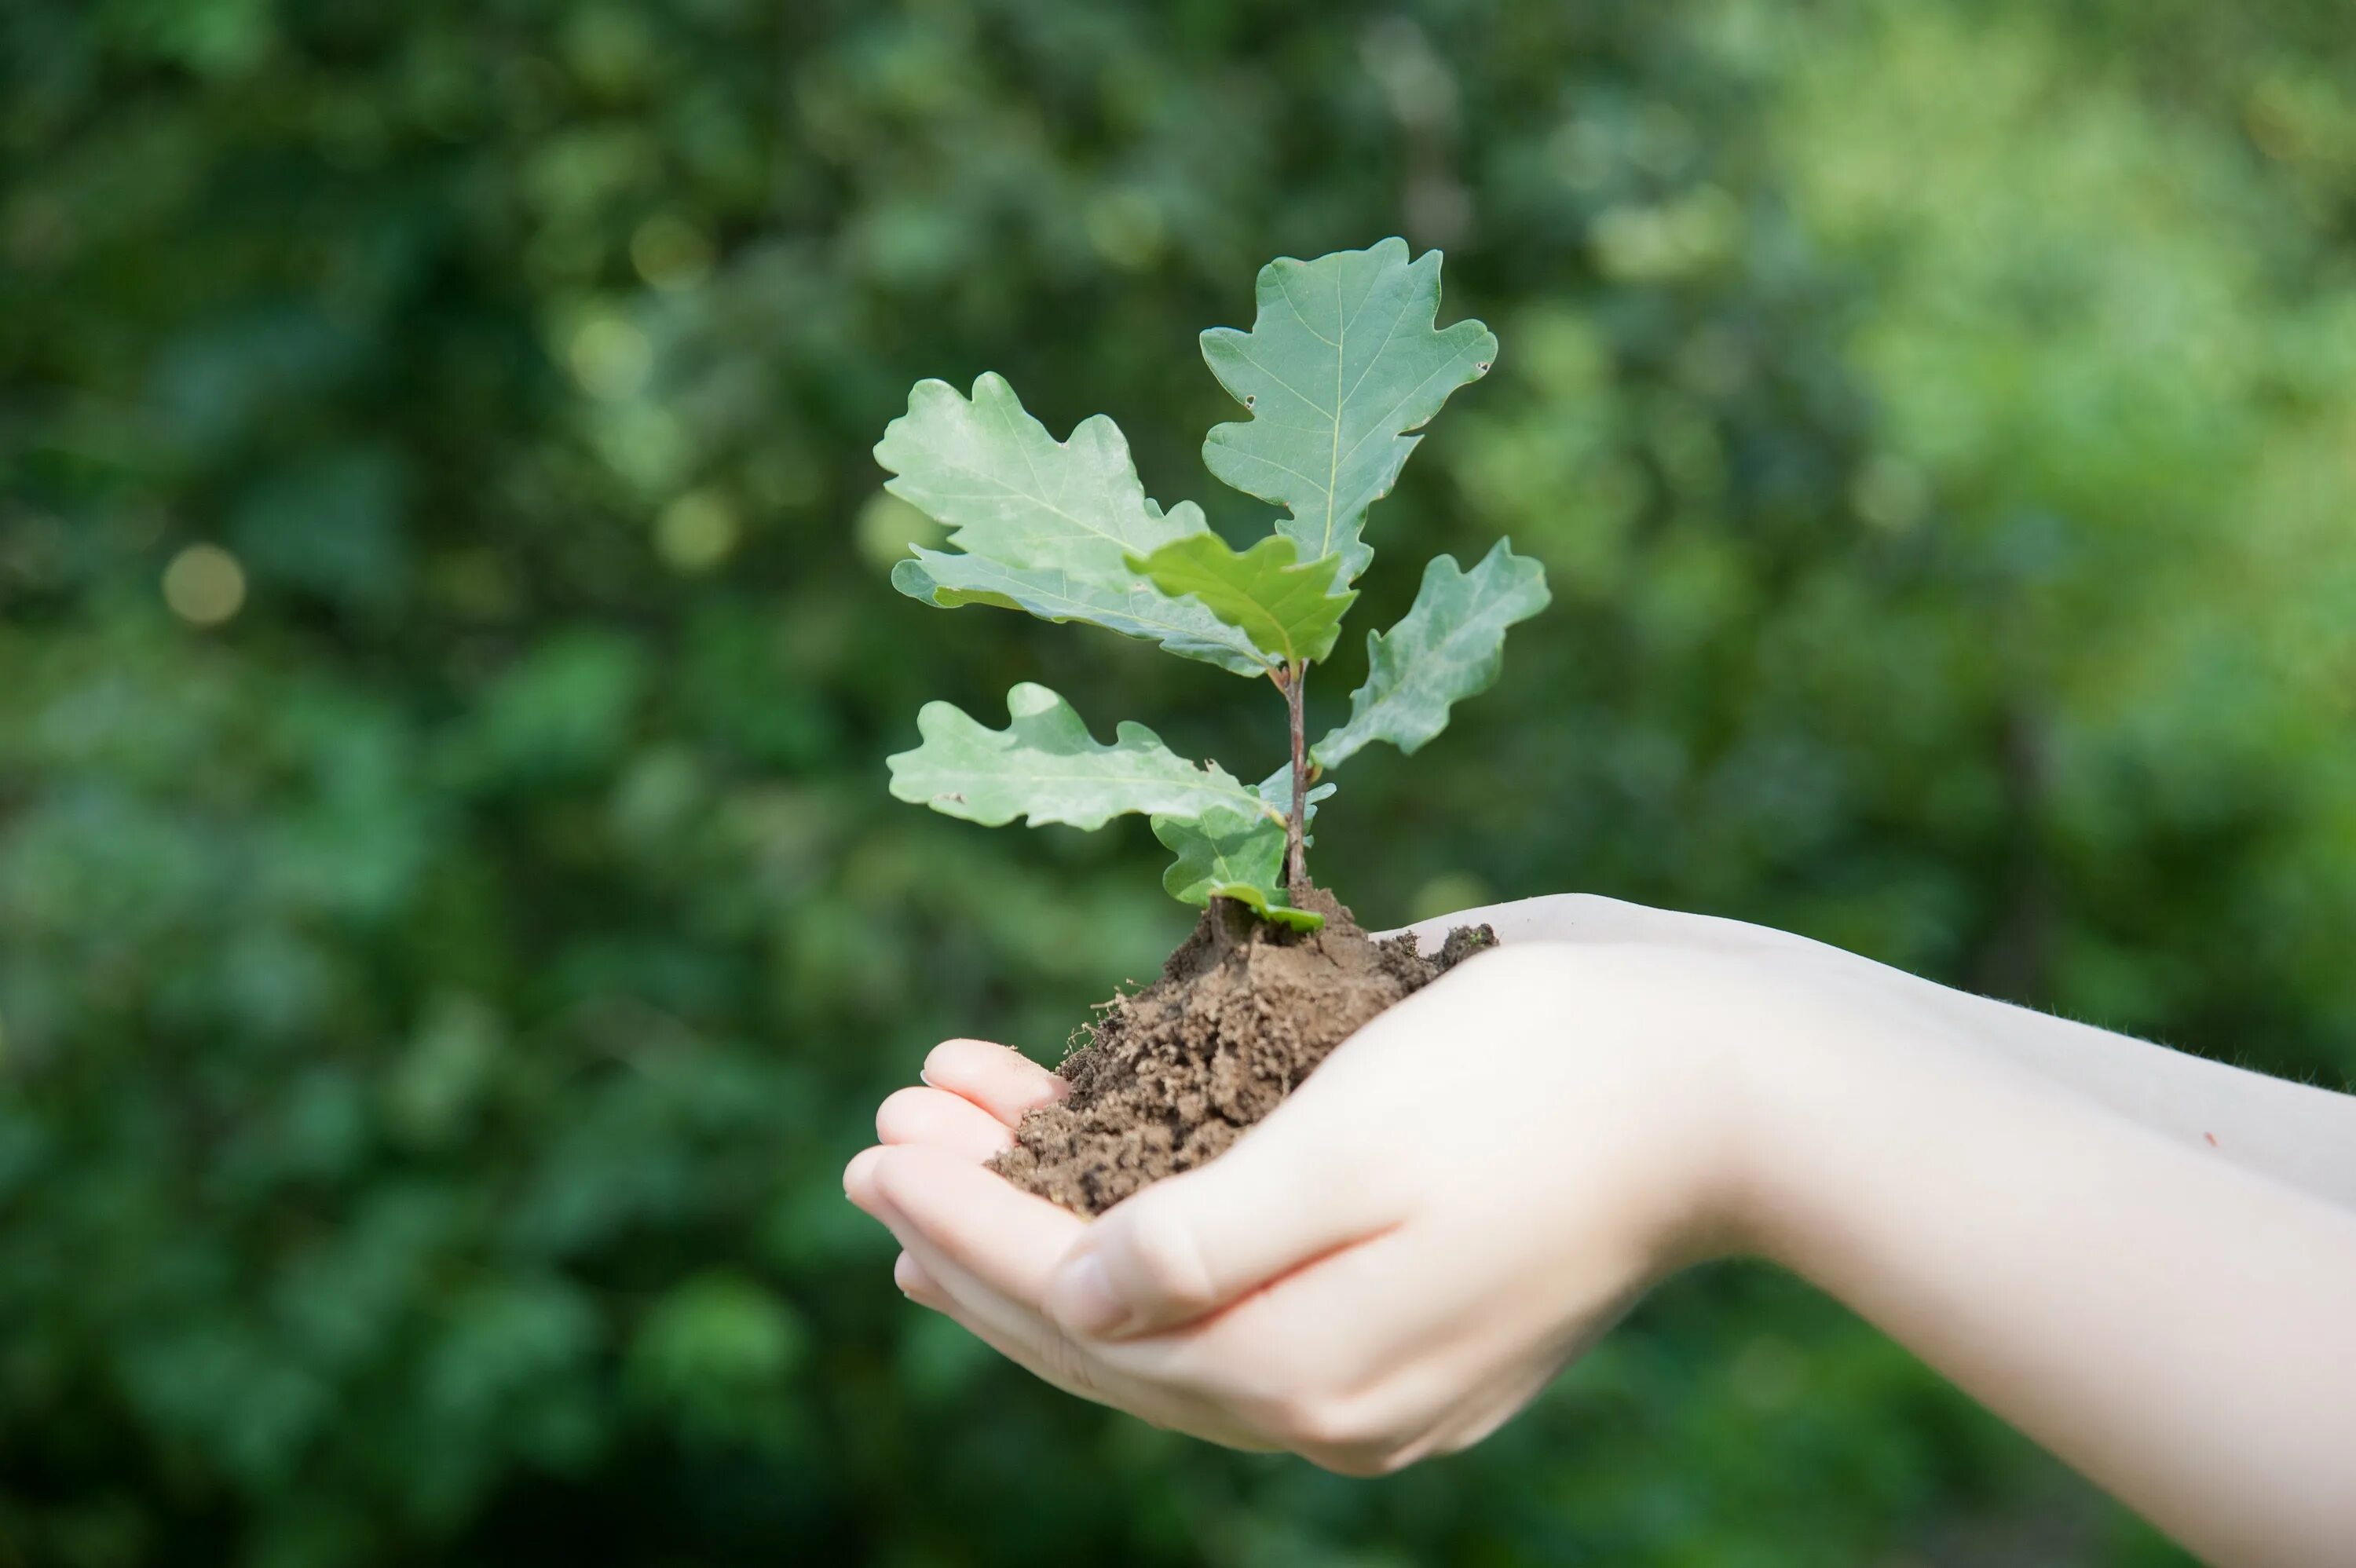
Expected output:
(697, 532)
(205, 586)
(887, 527)
(610, 356)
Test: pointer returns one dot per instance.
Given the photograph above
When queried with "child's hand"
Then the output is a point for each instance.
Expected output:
(2141, 1259)
(1400, 1256)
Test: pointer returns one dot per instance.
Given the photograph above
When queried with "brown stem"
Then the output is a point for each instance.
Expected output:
(1296, 850)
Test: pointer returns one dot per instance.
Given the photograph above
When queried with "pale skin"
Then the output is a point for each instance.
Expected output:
(2146, 1261)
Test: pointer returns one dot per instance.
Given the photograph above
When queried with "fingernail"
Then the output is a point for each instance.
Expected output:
(1086, 1301)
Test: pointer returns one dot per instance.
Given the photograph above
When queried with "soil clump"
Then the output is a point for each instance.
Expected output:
(1244, 1011)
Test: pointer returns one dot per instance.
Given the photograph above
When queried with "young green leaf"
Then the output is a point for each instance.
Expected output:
(1271, 904)
(1047, 526)
(1289, 609)
(1448, 647)
(1134, 609)
(1010, 491)
(1046, 767)
(1234, 855)
(1340, 362)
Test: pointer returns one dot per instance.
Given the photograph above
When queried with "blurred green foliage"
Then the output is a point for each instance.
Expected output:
(452, 924)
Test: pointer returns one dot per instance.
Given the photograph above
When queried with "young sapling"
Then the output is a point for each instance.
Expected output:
(1343, 364)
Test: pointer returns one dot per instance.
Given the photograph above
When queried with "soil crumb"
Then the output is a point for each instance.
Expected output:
(1244, 1011)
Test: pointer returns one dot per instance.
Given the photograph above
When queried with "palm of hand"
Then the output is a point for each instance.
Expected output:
(1392, 1264)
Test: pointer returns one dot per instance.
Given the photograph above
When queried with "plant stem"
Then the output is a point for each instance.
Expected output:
(1296, 850)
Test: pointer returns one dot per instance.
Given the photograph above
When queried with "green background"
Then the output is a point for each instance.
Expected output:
(438, 996)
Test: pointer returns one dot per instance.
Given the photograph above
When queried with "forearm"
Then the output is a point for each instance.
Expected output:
(2292, 1132)
(2181, 1330)
(2295, 1133)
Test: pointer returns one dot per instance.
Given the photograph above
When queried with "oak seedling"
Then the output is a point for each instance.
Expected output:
(1343, 364)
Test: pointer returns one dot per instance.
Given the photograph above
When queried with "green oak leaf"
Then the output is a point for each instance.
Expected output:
(1120, 604)
(1268, 903)
(1448, 647)
(1046, 527)
(1010, 491)
(1236, 855)
(1046, 767)
(1288, 608)
(1342, 361)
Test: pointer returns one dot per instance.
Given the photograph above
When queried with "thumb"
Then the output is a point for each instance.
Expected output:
(1184, 1247)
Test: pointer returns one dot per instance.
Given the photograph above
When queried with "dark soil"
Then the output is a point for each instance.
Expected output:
(1244, 1011)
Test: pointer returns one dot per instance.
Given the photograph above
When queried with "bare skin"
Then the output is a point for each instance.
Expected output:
(2146, 1261)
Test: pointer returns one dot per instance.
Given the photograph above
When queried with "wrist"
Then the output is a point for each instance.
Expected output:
(1672, 1044)
(1824, 1075)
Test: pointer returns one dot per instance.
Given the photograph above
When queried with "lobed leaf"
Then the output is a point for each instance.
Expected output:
(1047, 527)
(1237, 855)
(1134, 609)
(1046, 767)
(1448, 647)
(1343, 359)
(1288, 608)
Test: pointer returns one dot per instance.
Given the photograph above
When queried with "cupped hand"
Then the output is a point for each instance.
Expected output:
(1462, 1197)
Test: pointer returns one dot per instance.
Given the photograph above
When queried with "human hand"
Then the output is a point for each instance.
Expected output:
(1472, 1188)
(1592, 920)
(2299, 1133)
(1456, 1204)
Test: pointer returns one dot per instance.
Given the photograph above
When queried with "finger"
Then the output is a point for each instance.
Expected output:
(1287, 1193)
(1351, 1361)
(941, 1120)
(858, 1180)
(989, 1249)
(1028, 1340)
(1004, 1083)
(916, 1283)
(963, 1295)
(1020, 1343)
(949, 1226)
(1006, 1238)
(1384, 1340)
